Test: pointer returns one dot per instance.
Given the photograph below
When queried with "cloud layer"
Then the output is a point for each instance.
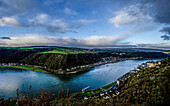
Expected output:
(93, 41)
(37, 40)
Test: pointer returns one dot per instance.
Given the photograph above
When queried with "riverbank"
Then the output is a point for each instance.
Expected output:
(51, 71)
(73, 70)
(92, 92)
(87, 69)
(37, 69)
(115, 85)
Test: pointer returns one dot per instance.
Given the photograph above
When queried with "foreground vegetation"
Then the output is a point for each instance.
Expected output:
(151, 85)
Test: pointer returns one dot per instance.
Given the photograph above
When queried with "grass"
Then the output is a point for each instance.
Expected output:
(85, 94)
(95, 91)
(33, 68)
(84, 69)
(89, 93)
(108, 86)
(62, 51)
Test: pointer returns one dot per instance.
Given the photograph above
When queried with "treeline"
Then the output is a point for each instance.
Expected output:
(146, 54)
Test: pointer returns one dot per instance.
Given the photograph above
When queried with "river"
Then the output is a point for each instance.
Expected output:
(11, 78)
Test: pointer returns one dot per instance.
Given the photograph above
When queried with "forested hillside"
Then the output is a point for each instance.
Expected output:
(63, 61)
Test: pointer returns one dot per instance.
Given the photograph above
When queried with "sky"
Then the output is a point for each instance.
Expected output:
(85, 23)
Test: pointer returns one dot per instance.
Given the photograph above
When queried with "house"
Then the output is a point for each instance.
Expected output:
(159, 62)
(102, 94)
(106, 97)
(118, 82)
(86, 98)
(117, 92)
(151, 64)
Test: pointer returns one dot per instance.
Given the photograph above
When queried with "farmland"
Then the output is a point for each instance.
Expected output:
(62, 51)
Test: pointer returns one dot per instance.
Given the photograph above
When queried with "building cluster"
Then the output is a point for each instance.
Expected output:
(147, 64)
(12, 64)
(103, 61)
(119, 53)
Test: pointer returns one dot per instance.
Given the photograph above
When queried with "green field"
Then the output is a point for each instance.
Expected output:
(28, 68)
(108, 86)
(95, 91)
(62, 51)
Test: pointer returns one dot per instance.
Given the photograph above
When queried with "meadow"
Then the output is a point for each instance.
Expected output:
(33, 68)
(62, 51)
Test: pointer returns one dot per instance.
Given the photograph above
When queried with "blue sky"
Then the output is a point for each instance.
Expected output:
(85, 23)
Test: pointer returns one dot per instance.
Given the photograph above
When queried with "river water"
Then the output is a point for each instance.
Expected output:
(11, 78)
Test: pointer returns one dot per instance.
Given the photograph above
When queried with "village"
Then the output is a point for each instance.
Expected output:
(103, 61)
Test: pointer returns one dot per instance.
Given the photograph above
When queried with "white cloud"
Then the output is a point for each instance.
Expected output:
(40, 18)
(38, 40)
(101, 40)
(17, 7)
(10, 21)
(137, 20)
(92, 41)
(70, 12)
(58, 25)
(122, 19)
(49, 23)
(84, 21)
(131, 15)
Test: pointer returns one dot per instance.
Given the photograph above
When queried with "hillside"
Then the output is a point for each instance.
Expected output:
(63, 61)
(14, 55)
(147, 54)
(150, 86)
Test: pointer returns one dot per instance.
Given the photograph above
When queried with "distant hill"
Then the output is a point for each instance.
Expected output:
(56, 58)
(146, 54)
(14, 55)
